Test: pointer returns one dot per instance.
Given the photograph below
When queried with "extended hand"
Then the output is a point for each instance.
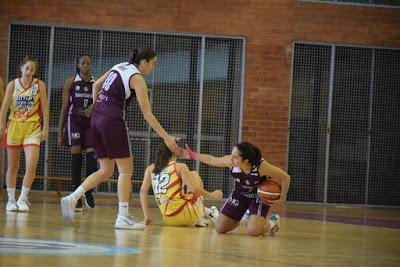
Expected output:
(217, 194)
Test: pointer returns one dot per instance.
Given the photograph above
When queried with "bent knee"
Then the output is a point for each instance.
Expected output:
(221, 230)
(105, 174)
(255, 231)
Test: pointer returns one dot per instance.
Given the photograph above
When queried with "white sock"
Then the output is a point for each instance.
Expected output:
(123, 208)
(11, 194)
(78, 192)
(207, 211)
(24, 192)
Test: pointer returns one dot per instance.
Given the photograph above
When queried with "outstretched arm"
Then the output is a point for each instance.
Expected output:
(224, 161)
(144, 191)
(138, 83)
(194, 183)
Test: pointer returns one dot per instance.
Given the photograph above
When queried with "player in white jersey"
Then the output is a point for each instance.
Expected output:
(111, 94)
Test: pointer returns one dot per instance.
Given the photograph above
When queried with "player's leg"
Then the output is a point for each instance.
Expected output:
(68, 203)
(124, 219)
(257, 223)
(91, 161)
(13, 159)
(231, 213)
(32, 153)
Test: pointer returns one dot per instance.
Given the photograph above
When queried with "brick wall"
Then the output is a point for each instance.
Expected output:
(270, 27)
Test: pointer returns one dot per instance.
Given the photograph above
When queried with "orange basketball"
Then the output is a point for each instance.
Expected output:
(269, 190)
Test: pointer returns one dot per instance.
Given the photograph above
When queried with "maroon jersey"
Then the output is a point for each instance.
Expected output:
(116, 92)
(247, 183)
(80, 96)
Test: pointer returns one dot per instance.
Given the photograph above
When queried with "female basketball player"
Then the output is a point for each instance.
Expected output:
(111, 93)
(249, 170)
(28, 126)
(168, 177)
(77, 102)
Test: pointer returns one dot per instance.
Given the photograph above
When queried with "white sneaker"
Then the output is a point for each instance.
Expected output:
(128, 222)
(202, 222)
(11, 206)
(68, 207)
(211, 214)
(273, 224)
(245, 217)
(23, 204)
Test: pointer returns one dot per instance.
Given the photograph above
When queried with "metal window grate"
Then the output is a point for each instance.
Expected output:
(175, 89)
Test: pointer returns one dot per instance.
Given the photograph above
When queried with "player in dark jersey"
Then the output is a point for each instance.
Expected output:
(249, 170)
(111, 94)
(74, 124)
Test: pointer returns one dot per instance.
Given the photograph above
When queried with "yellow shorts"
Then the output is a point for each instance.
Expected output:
(23, 133)
(188, 215)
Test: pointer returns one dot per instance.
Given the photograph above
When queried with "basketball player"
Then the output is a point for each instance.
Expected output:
(28, 126)
(77, 102)
(111, 93)
(249, 170)
(168, 178)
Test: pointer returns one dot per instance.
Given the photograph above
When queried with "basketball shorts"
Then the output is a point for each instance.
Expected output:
(110, 137)
(184, 213)
(237, 204)
(78, 132)
(23, 133)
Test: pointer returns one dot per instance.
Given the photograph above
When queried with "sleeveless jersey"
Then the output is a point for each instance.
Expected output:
(247, 183)
(168, 191)
(116, 92)
(25, 104)
(80, 96)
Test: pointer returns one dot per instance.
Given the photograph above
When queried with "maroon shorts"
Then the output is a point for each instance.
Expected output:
(110, 137)
(238, 202)
(78, 132)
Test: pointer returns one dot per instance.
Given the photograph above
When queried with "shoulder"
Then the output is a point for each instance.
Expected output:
(11, 84)
(181, 167)
(150, 169)
(70, 80)
(41, 84)
(263, 167)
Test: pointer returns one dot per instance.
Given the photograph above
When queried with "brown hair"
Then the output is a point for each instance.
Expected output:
(138, 54)
(30, 59)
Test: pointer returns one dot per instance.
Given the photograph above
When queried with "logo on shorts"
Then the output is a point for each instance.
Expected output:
(233, 201)
(76, 135)
(77, 88)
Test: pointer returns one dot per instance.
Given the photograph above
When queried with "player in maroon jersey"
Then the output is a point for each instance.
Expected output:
(74, 124)
(249, 170)
(111, 94)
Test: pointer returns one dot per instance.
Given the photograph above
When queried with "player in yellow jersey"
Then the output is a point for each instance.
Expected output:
(28, 125)
(168, 178)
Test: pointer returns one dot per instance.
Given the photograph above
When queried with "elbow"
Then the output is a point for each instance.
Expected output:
(143, 191)
(197, 191)
(147, 115)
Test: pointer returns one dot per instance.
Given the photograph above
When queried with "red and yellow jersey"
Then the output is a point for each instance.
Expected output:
(169, 193)
(25, 103)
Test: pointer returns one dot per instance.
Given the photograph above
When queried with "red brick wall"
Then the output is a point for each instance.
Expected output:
(270, 27)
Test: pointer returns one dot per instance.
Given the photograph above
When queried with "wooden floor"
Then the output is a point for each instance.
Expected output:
(310, 236)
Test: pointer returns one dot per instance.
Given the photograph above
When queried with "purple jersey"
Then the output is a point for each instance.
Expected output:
(247, 183)
(80, 96)
(116, 92)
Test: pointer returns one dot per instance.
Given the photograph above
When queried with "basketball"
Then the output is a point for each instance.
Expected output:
(269, 190)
